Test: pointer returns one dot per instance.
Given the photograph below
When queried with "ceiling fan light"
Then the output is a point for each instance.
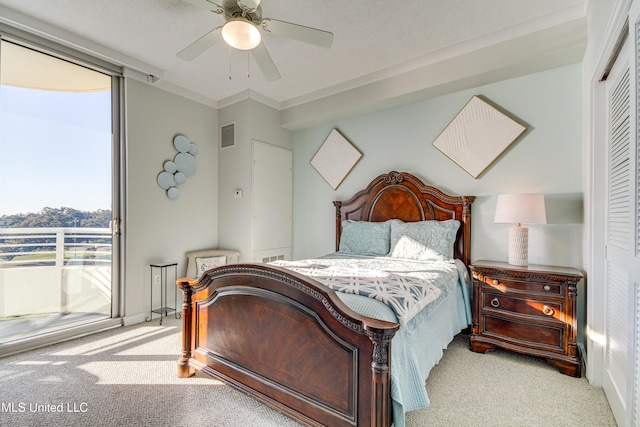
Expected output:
(241, 34)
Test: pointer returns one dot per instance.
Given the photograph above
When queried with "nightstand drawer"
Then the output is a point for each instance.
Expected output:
(542, 288)
(530, 307)
(525, 333)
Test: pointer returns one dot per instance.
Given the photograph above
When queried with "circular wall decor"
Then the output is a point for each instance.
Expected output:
(183, 165)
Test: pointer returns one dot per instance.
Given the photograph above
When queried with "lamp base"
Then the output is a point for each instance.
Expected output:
(519, 246)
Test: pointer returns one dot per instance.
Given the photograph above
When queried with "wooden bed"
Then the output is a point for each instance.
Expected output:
(289, 341)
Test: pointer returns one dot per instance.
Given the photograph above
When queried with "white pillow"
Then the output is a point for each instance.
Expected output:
(420, 240)
(408, 248)
(204, 264)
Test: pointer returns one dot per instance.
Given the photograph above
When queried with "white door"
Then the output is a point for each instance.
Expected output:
(622, 263)
(272, 201)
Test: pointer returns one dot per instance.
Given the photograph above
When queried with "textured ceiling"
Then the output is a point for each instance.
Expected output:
(373, 39)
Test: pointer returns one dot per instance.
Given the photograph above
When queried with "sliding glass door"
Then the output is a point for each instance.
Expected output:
(58, 181)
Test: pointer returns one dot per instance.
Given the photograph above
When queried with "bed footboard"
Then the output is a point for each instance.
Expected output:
(290, 342)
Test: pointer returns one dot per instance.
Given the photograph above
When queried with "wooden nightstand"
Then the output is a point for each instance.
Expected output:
(530, 309)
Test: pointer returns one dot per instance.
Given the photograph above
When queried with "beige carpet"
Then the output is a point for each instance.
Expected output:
(502, 388)
(127, 377)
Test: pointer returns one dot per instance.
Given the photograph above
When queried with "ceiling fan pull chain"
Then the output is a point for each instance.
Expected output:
(229, 62)
(248, 69)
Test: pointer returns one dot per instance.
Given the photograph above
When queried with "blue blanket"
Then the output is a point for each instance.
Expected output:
(418, 345)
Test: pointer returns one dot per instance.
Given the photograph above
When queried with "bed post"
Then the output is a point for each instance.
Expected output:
(466, 224)
(184, 369)
(338, 205)
(381, 411)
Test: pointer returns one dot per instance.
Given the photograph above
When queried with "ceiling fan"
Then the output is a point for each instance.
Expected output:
(243, 18)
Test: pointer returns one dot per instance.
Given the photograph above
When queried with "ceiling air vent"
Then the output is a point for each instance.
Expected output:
(227, 136)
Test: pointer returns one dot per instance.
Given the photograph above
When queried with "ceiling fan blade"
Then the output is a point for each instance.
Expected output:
(298, 32)
(208, 5)
(266, 64)
(202, 44)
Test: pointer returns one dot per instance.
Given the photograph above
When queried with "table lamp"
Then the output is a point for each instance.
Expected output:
(520, 209)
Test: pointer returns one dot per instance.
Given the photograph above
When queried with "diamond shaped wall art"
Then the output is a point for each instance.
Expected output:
(477, 136)
(335, 158)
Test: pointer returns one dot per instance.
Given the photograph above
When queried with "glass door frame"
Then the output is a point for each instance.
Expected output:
(118, 159)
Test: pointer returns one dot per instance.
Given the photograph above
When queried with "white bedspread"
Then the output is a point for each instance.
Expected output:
(405, 294)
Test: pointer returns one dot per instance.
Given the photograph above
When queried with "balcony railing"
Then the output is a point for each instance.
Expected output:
(54, 270)
(54, 246)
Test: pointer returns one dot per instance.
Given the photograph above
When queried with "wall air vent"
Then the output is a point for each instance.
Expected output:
(227, 135)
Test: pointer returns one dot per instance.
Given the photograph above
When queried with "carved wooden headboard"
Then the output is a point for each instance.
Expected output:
(400, 195)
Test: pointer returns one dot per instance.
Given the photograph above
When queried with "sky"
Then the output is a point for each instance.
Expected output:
(55, 150)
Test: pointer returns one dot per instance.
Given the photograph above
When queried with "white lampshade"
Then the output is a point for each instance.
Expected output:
(520, 209)
(241, 34)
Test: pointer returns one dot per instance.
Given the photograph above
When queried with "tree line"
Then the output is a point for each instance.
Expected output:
(58, 217)
(51, 218)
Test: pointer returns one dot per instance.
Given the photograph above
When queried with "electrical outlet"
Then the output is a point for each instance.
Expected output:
(156, 279)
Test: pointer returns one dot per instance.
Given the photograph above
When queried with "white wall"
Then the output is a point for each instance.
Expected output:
(156, 227)
(546, 159)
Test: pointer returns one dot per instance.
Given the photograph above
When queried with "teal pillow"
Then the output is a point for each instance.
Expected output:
(423, 240)
(365, 238)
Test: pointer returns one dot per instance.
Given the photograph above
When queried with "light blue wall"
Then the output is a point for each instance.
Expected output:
(156, 227)
(254, 121)
(546, 159)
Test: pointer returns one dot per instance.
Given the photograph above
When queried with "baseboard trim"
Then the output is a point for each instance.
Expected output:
(134, 318)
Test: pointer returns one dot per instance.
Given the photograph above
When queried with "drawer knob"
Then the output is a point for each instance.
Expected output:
(495, 303)
(495, 281)
(547, 287)
(548, 311)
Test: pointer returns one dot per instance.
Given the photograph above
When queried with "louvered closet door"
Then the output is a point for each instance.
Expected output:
(622, 264)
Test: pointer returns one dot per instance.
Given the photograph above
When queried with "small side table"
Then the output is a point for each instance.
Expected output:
(164, 308)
